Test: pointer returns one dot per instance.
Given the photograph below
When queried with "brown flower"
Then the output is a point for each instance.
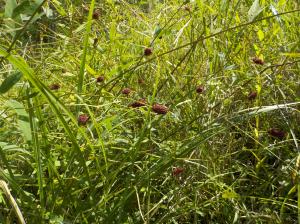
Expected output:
(100, 78)
(126, 91)
(275, 132)
(252, 95)
(159, 108)
(138, 103)
(177, 170)
(54, 86)
(258, 61)
(83, 119)
(200, 89)
(147, 51)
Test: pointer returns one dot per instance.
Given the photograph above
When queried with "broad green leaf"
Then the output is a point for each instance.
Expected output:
(23, 118)
(254, 11)
(9, 82)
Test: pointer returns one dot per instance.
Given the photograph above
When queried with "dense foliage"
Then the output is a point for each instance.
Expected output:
(149, 111)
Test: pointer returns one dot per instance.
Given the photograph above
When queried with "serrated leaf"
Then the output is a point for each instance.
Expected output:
(9, 82)
(254, 10)
(23, 118)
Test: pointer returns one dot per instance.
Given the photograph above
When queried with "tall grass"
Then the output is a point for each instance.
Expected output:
(216, 139)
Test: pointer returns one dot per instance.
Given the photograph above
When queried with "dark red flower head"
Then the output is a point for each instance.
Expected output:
(96, 14)
(275, 132)
(126, 91)
(54, 86)
(258, 61)
(159, 108)
(177, 170)
(138, 103)
(252, 95)
(100, 78)
(147, 51)
(200, 89)
(83, 119)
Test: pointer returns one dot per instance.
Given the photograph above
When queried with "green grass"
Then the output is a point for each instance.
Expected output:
(215, 156)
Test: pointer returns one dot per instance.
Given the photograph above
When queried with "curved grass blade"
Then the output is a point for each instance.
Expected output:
(54, 102)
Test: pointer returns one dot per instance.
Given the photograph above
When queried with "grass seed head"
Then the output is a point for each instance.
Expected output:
(83, 119)
(147, 51)
(159, 108)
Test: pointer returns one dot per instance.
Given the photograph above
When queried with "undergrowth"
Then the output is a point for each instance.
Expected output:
(149, 112)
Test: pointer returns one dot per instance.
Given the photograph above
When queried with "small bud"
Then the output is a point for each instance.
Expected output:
(100, 79)
(138, 103)
(200, 89)
(258, 61)
(83, 119)
(252, 95)
(147, 51)
(177, 170)
(126, 91)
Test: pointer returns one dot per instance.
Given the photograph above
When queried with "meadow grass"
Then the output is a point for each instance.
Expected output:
(149, 112)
